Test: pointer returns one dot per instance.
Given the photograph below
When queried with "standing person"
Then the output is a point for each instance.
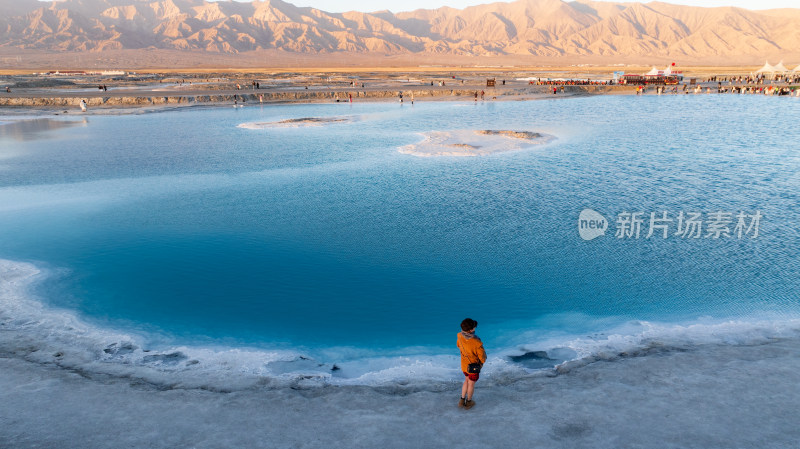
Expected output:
(473, 356)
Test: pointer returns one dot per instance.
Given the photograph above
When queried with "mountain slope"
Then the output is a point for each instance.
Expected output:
(522, 27)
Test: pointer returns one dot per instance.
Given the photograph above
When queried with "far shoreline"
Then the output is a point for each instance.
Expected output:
(116, 90)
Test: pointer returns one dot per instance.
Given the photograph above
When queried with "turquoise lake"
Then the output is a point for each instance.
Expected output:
(185, 227)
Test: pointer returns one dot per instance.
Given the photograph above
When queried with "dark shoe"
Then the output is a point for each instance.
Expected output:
(461, 402)
(469, 404)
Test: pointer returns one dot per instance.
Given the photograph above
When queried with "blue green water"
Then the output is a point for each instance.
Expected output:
(183, 225)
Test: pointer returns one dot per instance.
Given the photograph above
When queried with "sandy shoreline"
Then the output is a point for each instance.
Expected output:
(144, 99)
(180, 88)
(166, 88)
(706, 397)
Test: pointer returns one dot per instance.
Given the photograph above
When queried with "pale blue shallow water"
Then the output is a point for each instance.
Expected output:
(182, 225)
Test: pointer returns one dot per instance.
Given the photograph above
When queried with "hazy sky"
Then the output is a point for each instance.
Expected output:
(407, 5)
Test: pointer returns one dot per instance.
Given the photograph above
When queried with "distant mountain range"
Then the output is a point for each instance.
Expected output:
(539, 28)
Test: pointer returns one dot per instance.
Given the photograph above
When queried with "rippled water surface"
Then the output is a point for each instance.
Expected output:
(185, 225)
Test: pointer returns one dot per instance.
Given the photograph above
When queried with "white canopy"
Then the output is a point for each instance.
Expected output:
(653, 71)
(766, 69)
(780, 68)
(668, 70)
(796, 69)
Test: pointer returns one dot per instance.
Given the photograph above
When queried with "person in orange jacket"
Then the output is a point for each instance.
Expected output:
(472, 356)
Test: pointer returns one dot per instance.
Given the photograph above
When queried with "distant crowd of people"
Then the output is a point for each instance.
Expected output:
(766, 90)
(580, 82)
(720, 89)
(760, 78)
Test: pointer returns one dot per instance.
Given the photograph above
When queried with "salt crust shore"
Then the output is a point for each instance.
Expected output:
(715, 395)
(709, 397)
(474, 142)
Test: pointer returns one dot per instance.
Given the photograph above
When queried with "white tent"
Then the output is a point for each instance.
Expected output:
(766, 69)
(780, 68)
(796, 69)
(668, 70)
(652, 72)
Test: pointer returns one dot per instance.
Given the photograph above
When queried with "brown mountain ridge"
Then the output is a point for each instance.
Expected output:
(544, 28)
